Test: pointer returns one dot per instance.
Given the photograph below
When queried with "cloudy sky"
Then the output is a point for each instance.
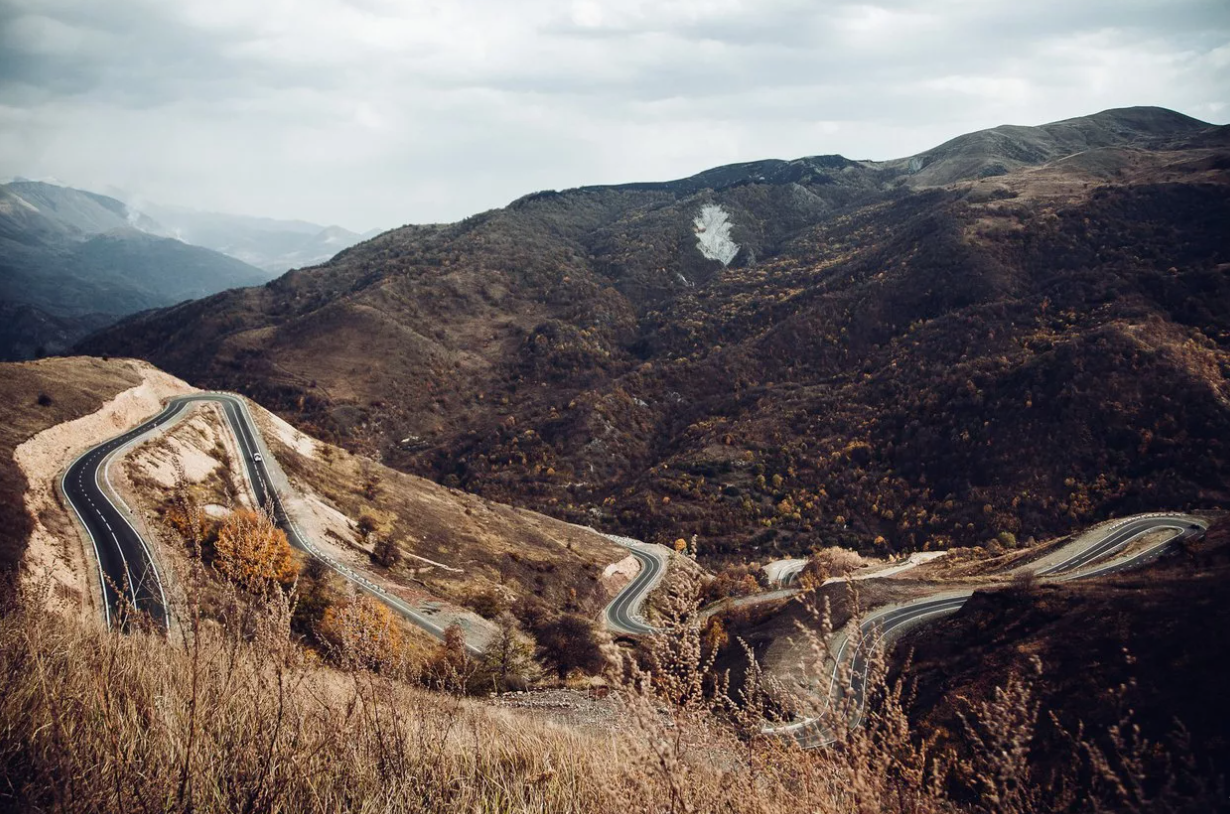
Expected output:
(381, 112)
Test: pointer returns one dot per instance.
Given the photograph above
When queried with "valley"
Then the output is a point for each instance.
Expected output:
(133, 587)
(72, 262)
(75, 261)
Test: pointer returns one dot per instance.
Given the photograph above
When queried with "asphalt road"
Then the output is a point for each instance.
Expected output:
(130, 579)
(1116, 540)
(126, 569)
(623, 614)
(883, 627)
(129, 573)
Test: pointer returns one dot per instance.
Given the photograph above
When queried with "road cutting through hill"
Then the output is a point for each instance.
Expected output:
(130, 579)
(128, 570)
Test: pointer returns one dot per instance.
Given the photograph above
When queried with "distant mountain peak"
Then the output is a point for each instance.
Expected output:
(1001, 149)
(73, 261)
(268, 243)
(78, 210)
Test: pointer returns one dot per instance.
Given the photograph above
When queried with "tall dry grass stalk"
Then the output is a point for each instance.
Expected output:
(239, 717)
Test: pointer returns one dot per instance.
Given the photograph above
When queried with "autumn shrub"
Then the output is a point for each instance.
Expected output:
(732, 581)
(832, 561)
(371, 486)
(531, 611)
(253, 553)
(508, 661)
(449, 667)
(195, 528)
(317, 590)
(373, 521)
(362, 633)
(487, 603)
(386, 553)
(569, 642)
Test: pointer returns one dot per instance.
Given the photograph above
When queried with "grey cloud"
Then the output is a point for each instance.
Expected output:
(380, 111)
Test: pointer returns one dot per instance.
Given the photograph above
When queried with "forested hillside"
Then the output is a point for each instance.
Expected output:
(1020, 331)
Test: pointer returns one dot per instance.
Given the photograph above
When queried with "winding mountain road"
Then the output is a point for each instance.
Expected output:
(128, 571)
(887, 624)
(127, 568)
(1117, 538)
(624, 614)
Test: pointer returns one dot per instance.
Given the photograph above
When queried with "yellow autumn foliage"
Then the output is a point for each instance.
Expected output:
(253, 553)
(362, 633)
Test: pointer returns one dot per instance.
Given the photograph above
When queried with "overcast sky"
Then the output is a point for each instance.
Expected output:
(373, 113)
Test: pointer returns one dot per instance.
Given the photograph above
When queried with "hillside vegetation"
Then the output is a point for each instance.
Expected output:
(465, 549)
(1105, 644)
(439, 550)
(448, 554)
(1018, 332)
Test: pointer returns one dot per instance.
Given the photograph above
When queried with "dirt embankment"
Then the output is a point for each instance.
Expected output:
(618, 574)
(195, 458)
(86, 401)
(450, 543)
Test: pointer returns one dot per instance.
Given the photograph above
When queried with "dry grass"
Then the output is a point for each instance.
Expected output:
(238, 717)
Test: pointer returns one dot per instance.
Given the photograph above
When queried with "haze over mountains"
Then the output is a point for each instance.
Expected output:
(267, 243)
(73, 261)
(955, 347)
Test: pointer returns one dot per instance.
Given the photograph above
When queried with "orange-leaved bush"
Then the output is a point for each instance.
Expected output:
(253, 553)
(363, 633)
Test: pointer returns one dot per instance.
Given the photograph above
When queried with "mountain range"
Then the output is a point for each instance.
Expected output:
(267, 243)
(1017, 332)
(74, 261)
